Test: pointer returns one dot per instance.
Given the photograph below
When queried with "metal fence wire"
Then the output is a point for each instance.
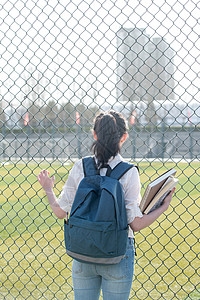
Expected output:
(61, 63)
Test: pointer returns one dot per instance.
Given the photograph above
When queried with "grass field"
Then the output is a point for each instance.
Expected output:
(33, 260)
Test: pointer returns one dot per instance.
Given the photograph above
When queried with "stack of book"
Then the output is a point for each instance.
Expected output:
(157, 190)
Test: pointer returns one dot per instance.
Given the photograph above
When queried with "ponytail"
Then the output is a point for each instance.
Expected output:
(109, 128)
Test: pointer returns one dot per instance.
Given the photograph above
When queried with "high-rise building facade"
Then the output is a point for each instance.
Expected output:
(145, 66)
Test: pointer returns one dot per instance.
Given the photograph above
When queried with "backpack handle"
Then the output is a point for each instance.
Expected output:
(106, 166)
(90, 167)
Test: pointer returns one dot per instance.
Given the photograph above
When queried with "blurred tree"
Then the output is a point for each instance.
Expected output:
(2, 115)
(50, 113)
(89, 113)
(66, 114)
(35, 89)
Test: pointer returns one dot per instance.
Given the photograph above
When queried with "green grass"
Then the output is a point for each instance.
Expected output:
(33, 260)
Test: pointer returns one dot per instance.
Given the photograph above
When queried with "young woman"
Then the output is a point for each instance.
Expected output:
(110, 132)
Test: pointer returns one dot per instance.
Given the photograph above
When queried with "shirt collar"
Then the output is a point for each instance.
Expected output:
(113, 161)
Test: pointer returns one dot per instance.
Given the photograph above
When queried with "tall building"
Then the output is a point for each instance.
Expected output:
(145, 66)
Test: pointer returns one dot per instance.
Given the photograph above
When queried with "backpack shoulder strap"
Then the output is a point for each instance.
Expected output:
(89, 166)
(119, 170)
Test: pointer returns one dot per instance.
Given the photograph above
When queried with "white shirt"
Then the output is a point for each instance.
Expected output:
(130, 182)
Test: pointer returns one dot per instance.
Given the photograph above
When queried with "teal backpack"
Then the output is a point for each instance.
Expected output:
(97, 229)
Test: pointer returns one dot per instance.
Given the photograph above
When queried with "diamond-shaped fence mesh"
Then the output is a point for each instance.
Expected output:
(61, 63)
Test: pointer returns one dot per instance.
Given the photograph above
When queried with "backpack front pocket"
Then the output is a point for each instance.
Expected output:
(88, 237)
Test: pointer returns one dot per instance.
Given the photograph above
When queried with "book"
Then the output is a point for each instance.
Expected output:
(153, 188)
(157, 200)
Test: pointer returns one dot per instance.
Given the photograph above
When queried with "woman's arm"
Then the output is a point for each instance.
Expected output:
(140, 223)
(47, 183)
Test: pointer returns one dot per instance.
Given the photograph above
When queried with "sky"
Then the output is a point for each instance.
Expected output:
(73, 45)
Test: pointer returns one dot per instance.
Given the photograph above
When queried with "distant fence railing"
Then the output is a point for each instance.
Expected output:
(181, 143)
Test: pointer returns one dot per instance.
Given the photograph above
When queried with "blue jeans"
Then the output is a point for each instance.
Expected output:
(114, 280)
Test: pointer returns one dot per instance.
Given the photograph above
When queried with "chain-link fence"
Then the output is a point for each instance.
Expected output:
(61, 63)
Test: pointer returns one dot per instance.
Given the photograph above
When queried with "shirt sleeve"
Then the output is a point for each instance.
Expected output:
(68, 193)
(132, 187)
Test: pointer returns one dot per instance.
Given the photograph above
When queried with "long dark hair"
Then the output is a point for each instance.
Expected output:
(109, 128)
